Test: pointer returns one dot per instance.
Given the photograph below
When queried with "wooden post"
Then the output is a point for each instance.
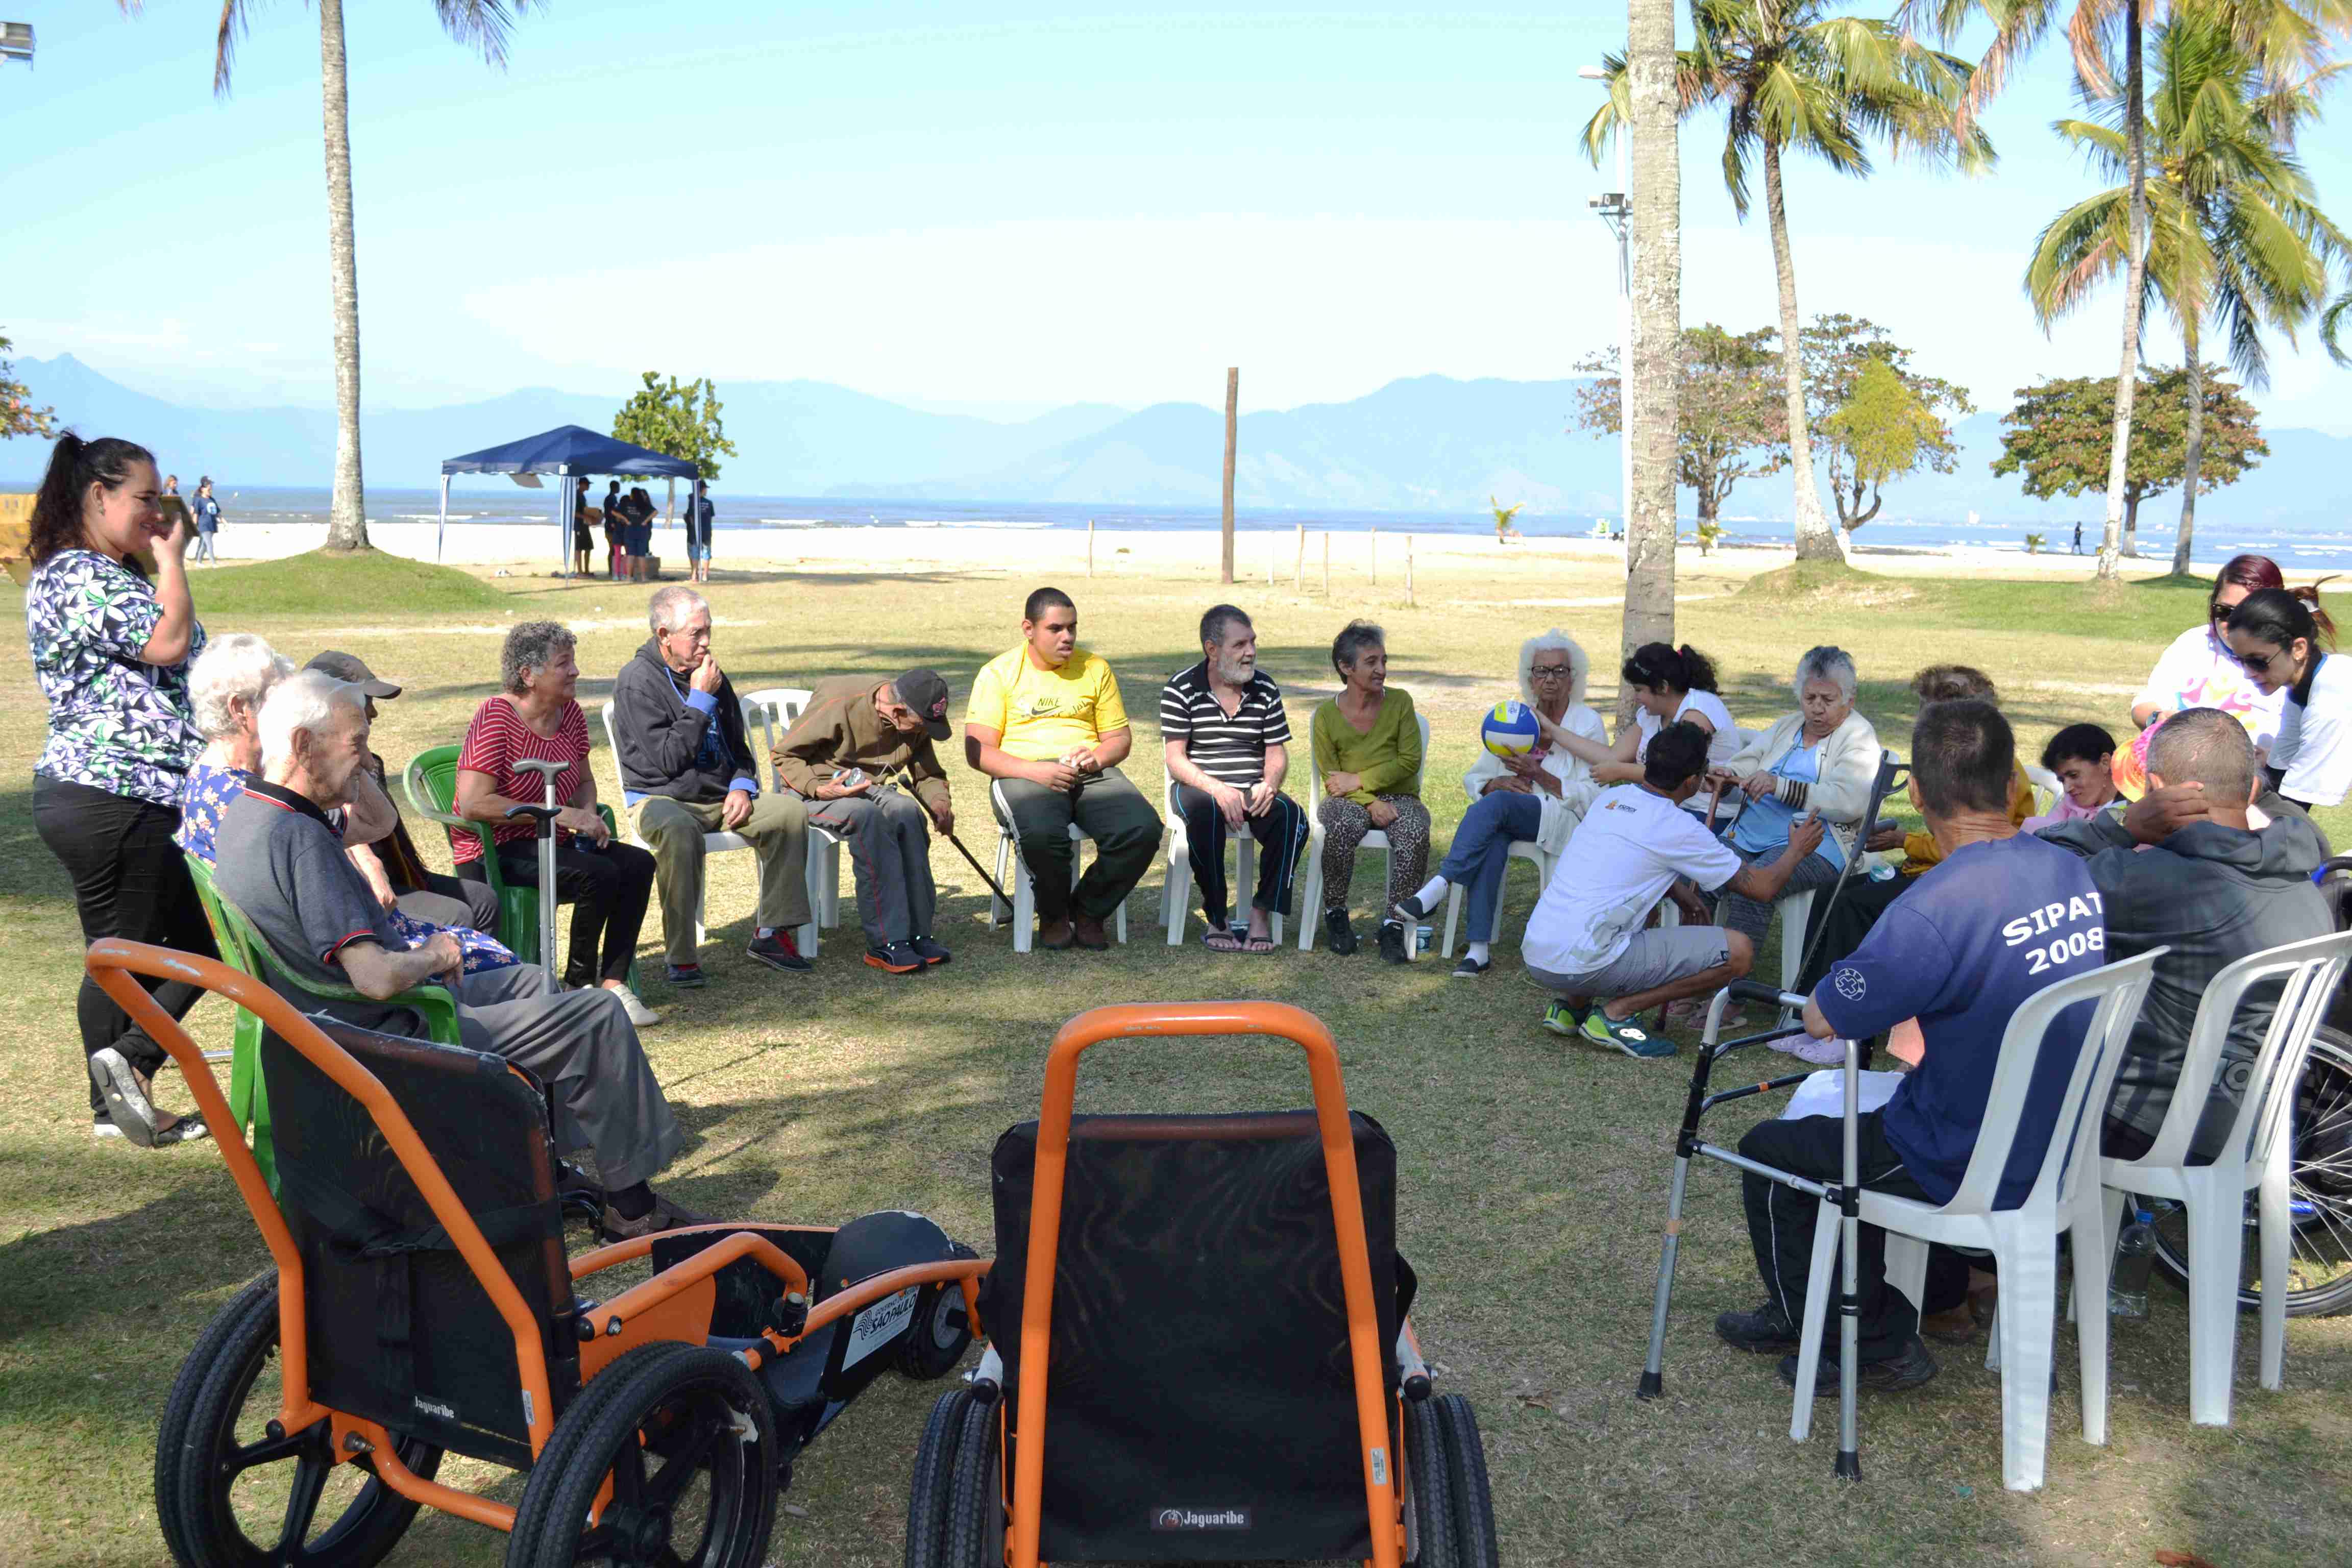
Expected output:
(1273, 543)
(1408, 571)
(1232, 403)
(1298, 567)
(1090, 547)
(1327, 562)
(1373, 555)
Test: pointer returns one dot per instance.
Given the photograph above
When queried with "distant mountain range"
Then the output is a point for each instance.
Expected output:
(1427, 443)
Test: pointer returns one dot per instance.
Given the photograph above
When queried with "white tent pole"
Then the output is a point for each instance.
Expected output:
(443, 529)
(563, 522)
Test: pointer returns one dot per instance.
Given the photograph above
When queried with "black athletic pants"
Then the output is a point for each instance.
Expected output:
(129, 881)
(1281, 836)
(608, 890)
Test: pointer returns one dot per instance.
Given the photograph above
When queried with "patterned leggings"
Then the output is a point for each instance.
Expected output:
(1345, 823)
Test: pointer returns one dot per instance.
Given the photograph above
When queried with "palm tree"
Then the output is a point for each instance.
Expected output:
(2233, 233)
(1790, 77)
(481, 26)
(1650, 110)
(2284, 36)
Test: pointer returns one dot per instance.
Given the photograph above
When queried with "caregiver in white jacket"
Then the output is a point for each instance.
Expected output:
(1537, 798)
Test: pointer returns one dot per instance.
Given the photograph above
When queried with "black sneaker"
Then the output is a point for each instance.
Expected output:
(684, 976)
(778, 951)
(1761, 1332)
(931, 951)
(1409, 909)
(1393, 941)
(1906, 1369)
(1470, 968)
(1342, 935)
(127, 1105)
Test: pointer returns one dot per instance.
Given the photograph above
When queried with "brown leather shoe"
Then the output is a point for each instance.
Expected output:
(1054, 936)
(1090, 935)
(664, 1216)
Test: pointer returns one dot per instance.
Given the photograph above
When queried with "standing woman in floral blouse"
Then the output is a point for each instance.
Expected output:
(112, 650)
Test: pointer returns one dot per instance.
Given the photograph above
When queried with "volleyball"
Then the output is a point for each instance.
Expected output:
(1509, 730)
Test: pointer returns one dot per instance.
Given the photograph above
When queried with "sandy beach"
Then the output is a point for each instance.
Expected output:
(521, 550)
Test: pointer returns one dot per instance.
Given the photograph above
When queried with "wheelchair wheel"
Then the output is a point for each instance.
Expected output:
(686, 1435)
(941, 1330)
(1466, 1477)
(2319, 1195)
(230, 1496)
(927, 1500)
(975, 1532)
(1428, 1502)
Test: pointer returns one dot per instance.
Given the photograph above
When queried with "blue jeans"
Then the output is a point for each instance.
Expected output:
(1482, 851)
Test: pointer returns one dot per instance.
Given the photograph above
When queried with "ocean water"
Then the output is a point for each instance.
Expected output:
(512, 504)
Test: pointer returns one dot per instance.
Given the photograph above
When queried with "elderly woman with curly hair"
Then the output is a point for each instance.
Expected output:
(607, 883)
(1821, 760)
(1537, 798)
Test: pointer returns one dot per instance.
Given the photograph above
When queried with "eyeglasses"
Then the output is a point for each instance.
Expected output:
(1548, 672)
(2260, 663)
(2219, 612)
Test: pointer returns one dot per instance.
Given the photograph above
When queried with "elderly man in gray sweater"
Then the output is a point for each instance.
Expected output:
(2185, 869)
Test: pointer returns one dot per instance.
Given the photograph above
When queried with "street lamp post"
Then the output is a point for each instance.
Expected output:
(1615, 209)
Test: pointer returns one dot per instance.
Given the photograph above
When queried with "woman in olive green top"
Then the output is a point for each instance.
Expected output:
(1368, 749)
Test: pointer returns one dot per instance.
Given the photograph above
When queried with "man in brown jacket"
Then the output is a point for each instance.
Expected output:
(841, 756)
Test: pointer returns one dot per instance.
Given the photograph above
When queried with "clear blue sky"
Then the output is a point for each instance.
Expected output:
(973, 208)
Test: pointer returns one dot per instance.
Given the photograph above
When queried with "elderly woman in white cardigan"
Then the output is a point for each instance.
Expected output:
(1537, 798)
(1818, 760)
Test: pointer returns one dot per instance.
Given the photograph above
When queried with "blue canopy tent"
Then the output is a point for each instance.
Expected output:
(569, 451)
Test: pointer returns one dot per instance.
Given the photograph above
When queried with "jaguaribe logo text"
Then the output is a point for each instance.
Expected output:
(1201, 1518)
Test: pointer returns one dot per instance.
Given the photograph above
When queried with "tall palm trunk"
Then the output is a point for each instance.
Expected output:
(1652, 382)
(1816, 541)
(2193, 457)
(347, 515)
(2135, 284)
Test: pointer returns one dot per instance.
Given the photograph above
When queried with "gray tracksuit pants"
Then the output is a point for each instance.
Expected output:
(889, 840)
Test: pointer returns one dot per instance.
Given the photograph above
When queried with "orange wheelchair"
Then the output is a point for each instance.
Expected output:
(423, 1305)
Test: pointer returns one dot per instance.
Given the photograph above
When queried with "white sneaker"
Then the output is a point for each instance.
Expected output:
(643, 1016)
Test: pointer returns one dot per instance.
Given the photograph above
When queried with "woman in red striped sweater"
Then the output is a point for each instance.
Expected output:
(606, 882)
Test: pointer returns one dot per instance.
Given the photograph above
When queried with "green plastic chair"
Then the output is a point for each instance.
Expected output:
(244, 950)
(431, 785)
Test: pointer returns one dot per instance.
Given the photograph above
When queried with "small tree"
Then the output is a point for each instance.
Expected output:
(17, 415)
(1731, 423)
(677, 421)
(2056, 436)
(1908, 416)
(1503, 516)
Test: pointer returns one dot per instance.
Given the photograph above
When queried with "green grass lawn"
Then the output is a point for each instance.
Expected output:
(1532, 1171)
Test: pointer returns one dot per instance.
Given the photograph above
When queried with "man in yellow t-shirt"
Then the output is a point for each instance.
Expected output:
(1045, 721)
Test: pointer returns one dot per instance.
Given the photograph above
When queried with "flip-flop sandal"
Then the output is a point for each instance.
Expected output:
(1221, 942)
(1258, 945)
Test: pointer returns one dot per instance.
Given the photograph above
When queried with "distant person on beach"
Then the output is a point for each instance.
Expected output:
(613, 523)
(1046, 723)
(208, 514)
(637, 532)
(583, 544)
(698, 512)
(170, 484)
(2078, 538)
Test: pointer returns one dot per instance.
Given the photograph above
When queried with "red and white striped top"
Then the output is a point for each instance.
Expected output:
(497, 739)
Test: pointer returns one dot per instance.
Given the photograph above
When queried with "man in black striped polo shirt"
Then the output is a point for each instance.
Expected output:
(1228, 745)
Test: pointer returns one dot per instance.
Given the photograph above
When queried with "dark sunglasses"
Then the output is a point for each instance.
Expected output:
(2260, 662)
(2219, 612)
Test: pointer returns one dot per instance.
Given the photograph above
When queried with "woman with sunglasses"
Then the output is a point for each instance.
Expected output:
(2280, 638)
(2198, 671)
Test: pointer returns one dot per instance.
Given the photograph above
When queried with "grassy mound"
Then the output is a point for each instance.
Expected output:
(1815, 582)
(325, 582)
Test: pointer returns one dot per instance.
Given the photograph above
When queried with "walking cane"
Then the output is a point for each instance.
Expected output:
(544, 816)
(902, 777)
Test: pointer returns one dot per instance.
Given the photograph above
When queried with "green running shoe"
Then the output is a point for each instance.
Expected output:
(1560, 1018)
(1624, 1034)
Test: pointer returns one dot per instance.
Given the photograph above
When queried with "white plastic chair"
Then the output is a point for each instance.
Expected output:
(781, 707)
(1311, 893)
(1176, 887)
(1024, 890)
(2045, 788)
(2255, 1158)
(1520, 849)
(2023, 1240)
(712, 842)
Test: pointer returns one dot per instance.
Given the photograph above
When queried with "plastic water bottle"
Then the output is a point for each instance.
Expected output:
(2134, 1258)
